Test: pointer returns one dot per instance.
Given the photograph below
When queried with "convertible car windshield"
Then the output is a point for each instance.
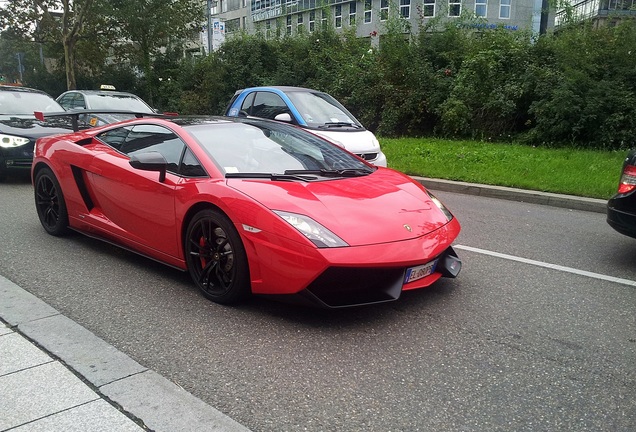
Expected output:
(320, 109)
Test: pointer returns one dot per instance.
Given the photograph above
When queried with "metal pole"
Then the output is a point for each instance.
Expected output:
(19, 56)
(209, 16)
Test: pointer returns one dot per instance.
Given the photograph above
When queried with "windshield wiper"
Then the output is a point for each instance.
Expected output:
(338, 124)
(348, 172)
(274, 176)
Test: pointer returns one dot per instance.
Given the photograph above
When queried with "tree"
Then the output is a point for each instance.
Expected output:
(50, 21)
(146, 27)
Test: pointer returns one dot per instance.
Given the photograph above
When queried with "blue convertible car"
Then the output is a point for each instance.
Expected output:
(310, 109)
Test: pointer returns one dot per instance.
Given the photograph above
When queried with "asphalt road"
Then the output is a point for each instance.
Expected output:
(538, 333)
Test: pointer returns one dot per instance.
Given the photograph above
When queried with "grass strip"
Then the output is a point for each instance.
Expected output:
(587, 173)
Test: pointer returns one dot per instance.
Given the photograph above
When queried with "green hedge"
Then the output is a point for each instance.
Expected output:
(576, 87)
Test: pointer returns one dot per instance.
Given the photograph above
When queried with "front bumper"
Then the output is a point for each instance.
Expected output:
(17, 157)
(340, 287)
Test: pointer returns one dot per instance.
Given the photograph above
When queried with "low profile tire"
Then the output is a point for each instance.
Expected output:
(216, 258)
(50, 204)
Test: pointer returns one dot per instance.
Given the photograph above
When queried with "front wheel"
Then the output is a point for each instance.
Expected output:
(50, 204)
(216, 258)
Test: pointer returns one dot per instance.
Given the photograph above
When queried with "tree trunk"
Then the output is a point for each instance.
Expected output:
(69, 60)
(148, 72)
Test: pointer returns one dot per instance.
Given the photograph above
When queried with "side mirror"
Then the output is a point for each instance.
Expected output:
(284, 117)
(151, 161)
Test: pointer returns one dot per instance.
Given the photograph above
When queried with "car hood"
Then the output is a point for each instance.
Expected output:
(33, 128)
(355, 141)
(385, 206)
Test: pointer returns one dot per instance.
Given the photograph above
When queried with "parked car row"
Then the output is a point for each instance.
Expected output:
(19, 129)
(310, 109)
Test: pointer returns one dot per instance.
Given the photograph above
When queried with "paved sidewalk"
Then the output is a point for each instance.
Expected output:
(55, 375)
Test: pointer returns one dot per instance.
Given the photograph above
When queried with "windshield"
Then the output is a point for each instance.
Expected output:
(272, 148)
(320, 109)
(117, 102)
(25, 103)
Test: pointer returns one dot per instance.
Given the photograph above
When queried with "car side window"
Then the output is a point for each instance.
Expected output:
(246, 107)
(268, 105)
(190, 166)
(78, 101)
(115, 137)
(153, 138)
(65, 101)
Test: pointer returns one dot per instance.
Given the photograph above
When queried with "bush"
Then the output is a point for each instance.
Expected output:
(576, 87)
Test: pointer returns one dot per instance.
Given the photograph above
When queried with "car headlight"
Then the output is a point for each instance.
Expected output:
(8, 141)
(441, 206)
(318, 234)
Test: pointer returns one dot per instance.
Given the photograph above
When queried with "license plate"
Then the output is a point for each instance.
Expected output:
(419, 272)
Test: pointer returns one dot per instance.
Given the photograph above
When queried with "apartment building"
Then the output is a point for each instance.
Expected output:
(601, 12)
(369, 17)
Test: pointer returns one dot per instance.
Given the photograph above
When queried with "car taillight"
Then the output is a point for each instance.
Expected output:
(628, 180)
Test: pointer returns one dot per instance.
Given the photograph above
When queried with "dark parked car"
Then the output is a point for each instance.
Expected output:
(621, 208)
(19, 128)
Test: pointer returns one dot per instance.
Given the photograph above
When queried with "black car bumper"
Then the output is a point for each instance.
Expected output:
(621, 215)
(17, 157)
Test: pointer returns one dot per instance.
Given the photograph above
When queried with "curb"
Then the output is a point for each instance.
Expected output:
(513, 194)
(138, 392)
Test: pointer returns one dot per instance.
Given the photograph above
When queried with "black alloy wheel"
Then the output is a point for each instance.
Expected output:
(216, 258)
(50, 204)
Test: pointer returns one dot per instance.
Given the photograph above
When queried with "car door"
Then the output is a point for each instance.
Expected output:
(137, 205)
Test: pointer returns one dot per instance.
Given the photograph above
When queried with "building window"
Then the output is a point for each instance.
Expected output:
(455, 8)
(352, 13)
(384, 10)
(429, 9)
(233, 25)
(312, 20)
(368, 11)
(480, 8)
(268, 29)
(504, 9)
(299, 23)
(289, 26)
(338, 15)
(323, 19)
(405, 8)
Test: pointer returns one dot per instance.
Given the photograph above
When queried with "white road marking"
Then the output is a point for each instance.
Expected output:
(548, 265)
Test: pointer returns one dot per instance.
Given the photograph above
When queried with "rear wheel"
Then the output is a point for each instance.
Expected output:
(50, 204)
(216, 257)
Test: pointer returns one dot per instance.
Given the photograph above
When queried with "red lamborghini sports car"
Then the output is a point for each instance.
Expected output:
(247, 206)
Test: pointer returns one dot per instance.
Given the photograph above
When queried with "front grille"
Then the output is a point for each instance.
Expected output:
(368, 156)
(342, 286)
